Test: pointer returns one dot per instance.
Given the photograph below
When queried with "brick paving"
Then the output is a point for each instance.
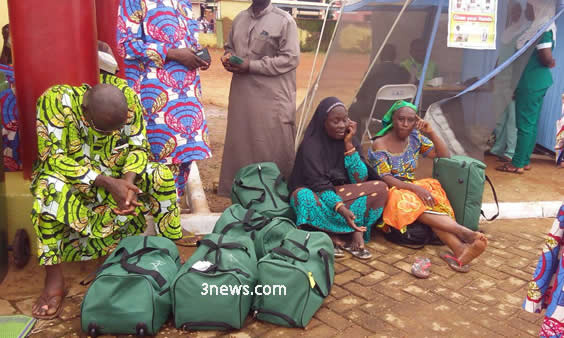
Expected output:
(379, 298)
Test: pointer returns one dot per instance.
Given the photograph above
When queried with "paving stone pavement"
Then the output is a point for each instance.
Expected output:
(380, 298)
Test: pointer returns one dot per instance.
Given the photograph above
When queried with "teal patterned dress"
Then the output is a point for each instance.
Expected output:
(366, 199)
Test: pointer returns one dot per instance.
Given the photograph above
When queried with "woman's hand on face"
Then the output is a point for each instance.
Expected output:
(350, 217)
(351, 131)
(423, 126)
(424, 195)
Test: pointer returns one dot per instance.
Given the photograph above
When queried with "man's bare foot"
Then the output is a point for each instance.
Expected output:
(48, 305)
(473, 250)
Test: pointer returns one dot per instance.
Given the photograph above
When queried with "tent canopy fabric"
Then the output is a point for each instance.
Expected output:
(470, 88)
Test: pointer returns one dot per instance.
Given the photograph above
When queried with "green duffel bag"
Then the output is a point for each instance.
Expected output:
(213, 289)
(266, 233)
(130, 294)
(261, 186)
(463, 178)
(295, 278)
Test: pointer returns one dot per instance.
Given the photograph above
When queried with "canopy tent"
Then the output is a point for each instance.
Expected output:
(472, 87)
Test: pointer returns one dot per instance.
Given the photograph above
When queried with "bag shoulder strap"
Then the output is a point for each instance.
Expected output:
(496, 201)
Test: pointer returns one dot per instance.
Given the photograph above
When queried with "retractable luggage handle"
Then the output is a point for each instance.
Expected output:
(496, 202)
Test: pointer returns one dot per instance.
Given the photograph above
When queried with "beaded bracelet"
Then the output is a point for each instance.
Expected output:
(350, 152)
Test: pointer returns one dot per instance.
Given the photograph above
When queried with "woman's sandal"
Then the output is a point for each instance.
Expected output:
(339, 253)
(421, 268)
(47, 301)
(362, 253)
(454, 263)
(508, 168)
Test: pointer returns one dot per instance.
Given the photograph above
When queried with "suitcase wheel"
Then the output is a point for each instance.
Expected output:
(141, 329)
(93, 330)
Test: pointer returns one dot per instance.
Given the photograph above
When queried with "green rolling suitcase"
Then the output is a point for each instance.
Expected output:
(463, 179)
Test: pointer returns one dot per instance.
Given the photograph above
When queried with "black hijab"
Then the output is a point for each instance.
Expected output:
(320, 161)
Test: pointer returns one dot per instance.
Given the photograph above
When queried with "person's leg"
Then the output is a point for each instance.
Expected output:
(510, 131)
(537, 101)
(477, 242)
(53, 292)
(159, 185)
(526, 117)
(447, 224)
(451, 241)
(501, 129)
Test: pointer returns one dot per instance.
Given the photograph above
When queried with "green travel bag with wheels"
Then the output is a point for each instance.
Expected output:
(463, 178)
(260, 186)
(130, 294)
(213, 289)
(266, 233)
(295, 278)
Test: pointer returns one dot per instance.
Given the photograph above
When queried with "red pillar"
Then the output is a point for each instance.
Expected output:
(53, 42)
(106, 23)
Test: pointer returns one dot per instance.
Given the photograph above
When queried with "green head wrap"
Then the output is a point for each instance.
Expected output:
(387, 119)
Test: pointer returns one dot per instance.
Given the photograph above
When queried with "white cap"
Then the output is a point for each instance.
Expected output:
(107, 62)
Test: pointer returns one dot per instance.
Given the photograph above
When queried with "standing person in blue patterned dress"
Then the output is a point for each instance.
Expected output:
(158, 40)
(333, 189)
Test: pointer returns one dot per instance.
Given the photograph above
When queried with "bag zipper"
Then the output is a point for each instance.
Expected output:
(266, 187)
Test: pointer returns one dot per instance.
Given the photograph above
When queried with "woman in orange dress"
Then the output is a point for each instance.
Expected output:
(394, 155)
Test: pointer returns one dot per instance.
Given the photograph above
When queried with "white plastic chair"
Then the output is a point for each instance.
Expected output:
(390, 93)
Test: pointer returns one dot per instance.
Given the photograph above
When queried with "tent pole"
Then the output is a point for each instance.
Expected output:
(428, 53)
(302, 116)
(314, 90)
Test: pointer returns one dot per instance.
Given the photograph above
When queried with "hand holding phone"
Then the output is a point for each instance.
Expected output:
(234, 59)
(204, 54)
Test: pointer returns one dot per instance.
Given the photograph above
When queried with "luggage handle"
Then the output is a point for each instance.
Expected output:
(247, 221)
(251, 202)
(325, 256)
(186, 326)
(133, 268)
(496, 201)
(220, 245)
(285, 252)
(280, 315)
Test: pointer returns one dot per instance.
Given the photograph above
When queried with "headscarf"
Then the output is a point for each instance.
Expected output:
(387, 119)
(320, 161)
(544, 11)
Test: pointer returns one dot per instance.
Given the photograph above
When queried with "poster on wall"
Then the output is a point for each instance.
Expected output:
(472, 24)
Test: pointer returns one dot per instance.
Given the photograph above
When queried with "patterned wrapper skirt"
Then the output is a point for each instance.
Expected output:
(404, 207)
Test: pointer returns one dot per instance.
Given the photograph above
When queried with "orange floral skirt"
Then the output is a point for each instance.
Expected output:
(404, 206)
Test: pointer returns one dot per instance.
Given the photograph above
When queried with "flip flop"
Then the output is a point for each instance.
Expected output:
(507, 169)
(421, 268)
(59, 307)
(339, 253)
(454, 263)
(527, 167)
(360, 254)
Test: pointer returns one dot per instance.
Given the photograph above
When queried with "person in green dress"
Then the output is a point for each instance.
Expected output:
(333, 189)
(93, 183)
(529, 97)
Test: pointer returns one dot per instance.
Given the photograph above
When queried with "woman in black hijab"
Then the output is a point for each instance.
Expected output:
(333, 189)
